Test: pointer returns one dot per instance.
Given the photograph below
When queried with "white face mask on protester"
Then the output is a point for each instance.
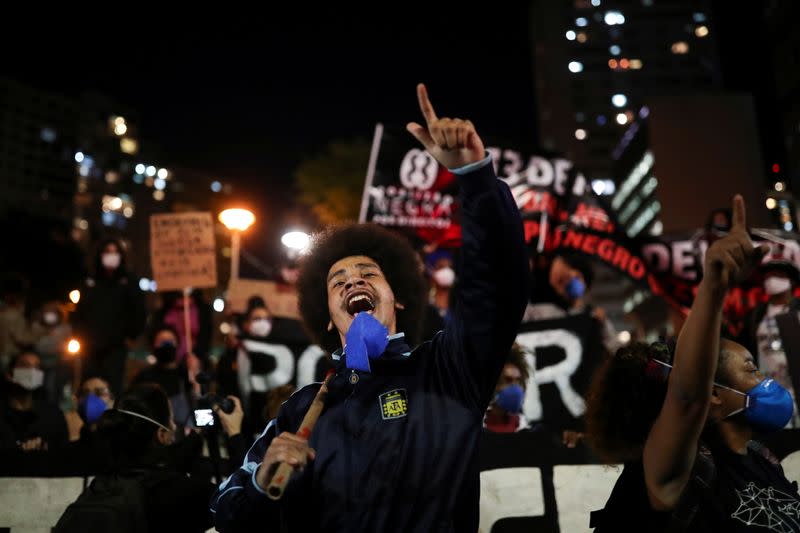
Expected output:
(111, 261)
(261, 327)
(774, 285)
(444, 277)
(28, 378)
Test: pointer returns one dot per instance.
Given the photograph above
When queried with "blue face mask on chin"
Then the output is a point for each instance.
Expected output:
(768, 406)
(366, 339)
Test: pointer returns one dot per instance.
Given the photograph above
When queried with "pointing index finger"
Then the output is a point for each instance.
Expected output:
(425, 104)
(739, 216)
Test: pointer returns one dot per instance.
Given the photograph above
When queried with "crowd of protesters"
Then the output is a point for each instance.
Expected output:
(194, 423)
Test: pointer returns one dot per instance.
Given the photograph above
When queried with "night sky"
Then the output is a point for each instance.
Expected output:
(246, 97)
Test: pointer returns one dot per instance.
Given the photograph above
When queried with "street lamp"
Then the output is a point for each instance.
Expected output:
(237, 221)
(296, 241)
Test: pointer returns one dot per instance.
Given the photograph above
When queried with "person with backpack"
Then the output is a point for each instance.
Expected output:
(684, 424)
(139, 491)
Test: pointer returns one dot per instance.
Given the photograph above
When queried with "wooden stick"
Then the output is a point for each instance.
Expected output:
(187, 323)
(284, 471)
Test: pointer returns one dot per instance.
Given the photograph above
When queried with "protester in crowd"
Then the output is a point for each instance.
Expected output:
(27, 420)
(17, 332)
(289, 270)
(505, 412)
(772, 328)
(109, 316)
(200, 324)
(138, 432)
(51, 320)
(439, 266)
(432, 319)
(171, 375)
(561, 290)
(683, 424)
(396, 447)
(259, 365)
(94, 399)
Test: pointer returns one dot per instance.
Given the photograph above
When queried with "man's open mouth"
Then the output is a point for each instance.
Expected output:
(360, 302)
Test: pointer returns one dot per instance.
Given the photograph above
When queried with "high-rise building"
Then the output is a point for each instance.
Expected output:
(598, 61)
(76, 161)
(38, 131)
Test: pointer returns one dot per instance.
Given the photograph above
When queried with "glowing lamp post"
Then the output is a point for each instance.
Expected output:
(237, 221)
(74, 350)
(296, 241)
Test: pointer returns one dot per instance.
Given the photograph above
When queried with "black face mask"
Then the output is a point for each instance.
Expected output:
(165, 353)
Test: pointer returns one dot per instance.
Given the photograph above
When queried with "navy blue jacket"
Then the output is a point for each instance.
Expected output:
(397, 448)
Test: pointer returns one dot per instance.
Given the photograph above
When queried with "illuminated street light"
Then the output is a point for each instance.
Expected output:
(75, 296)
(237, 221)
(296, 240)
(73, 346)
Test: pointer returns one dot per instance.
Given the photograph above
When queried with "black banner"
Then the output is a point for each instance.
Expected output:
(564, 353)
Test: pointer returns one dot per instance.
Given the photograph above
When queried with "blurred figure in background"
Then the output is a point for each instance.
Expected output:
(561, 289)
(16, 331)
(256, 365)
(505, 412)
(27, 420)
(169, 374)
(94, 399)
(52, 320)
(439, 266)
(200, 324)
(109, 316)
(772, 329)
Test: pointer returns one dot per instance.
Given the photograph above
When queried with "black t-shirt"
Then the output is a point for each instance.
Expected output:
(749, 493)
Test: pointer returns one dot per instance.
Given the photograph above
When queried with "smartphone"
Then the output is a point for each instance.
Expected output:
(203, 417)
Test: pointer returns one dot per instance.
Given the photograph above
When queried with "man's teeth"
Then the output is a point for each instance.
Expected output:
(360, 303)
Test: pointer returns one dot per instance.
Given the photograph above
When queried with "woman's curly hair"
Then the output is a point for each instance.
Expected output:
(624, 399)
(396, 258)
(626, 396)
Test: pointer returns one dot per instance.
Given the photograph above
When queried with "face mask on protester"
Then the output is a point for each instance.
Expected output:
(50, 318)
(143, 417)
(111, 261)
(91, 408)
(510, 399)
(261, 327)
(774, 285)
(29, 379)
(768, 407)
(444, 277)
(165, 352)
(575, 288)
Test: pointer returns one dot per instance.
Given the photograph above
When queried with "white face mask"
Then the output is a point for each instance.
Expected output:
(444, 277)
(261, 327)
(28, 378)
(111, 261)
(774, 285)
